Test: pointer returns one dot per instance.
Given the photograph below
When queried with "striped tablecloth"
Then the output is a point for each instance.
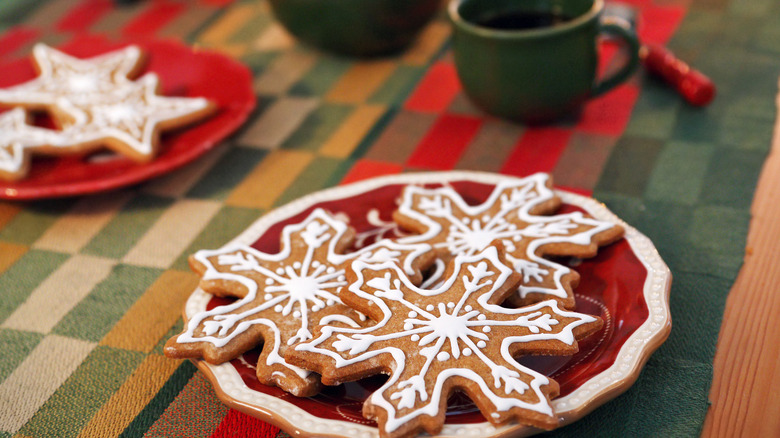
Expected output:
(91, 287)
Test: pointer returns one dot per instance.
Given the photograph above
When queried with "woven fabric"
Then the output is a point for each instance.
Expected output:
(93, 286)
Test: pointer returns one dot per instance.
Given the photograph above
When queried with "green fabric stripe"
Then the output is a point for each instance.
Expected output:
(315, 177)
(732, 177)
(321, 77)
(318, 126)
(655, 114)
(97, 313)
(231, 169)
(630, 165)
(219, 231)
(81, 396)
(14, 11)
(679, 173)
(177, 328)
(129, 225)
(398, 86)
(16, 346)
(161, 401)
(30, 223)
(252, 29)
(19, 281)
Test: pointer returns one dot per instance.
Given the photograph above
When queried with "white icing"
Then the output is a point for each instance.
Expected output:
(511, 224)
(445, 334)
(293, 290)
(16, 136)
(100, 102)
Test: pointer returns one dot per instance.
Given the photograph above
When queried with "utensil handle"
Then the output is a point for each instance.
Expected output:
(696, 89)
(622, 29)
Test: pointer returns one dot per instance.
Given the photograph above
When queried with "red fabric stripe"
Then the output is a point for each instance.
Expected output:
(364, 169)
(609, 114)
(436, 90)
(239, 425)
(659, 23)
(14, 38)
(82, 16)
(445, 142)
(538, 150)
(153, 19)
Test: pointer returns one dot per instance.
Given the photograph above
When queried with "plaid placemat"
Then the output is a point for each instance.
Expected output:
(92, 287)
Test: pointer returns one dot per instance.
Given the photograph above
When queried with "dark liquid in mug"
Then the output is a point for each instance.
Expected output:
(520, 20)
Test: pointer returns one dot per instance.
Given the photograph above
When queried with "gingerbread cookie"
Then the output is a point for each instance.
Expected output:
(282, 296)
(17, 137)
(452, 338)
(518, 213)
(96, 104)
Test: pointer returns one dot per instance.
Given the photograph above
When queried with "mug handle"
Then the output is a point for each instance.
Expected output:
(620, 28)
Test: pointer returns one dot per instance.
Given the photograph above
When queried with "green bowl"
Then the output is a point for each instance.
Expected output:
(356, 27)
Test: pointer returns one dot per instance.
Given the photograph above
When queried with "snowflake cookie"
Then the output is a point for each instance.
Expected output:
(282, 297)
(518, 213)
(96, 103)
(436, 341)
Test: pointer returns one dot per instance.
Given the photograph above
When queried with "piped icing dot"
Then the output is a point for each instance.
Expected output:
(486, 329)
(468, 308)
(412, 314)
(297, 314)
(408, 326)
(297, 265)
(278, 308)
(442, 356)
(467, 351)
(450, 305)
(415, 338)
(429, 307)
(269, 281)
(481, 344)
(267, 297)
(481, 317)
(280, 271)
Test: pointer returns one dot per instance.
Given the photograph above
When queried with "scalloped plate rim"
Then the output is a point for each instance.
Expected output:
(596, 391)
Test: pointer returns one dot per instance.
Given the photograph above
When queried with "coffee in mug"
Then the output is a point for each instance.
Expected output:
(534, 60)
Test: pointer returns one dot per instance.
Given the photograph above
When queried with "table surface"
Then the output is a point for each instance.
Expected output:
(323, 121)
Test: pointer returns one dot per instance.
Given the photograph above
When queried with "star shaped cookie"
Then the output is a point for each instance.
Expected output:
(282, 297)
(61, 76)
(96, 103)
(433, 342)
(519, 214)
(17, 139)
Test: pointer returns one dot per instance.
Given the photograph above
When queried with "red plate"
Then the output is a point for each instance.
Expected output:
(627, 284)
(183, 71)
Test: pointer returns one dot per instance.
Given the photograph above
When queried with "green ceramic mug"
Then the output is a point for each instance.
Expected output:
(355, 27)
(535, 60)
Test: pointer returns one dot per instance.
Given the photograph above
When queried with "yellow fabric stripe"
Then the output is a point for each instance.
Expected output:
(346, 138)
(234, 19)
(137, 391)
(153, 314)
(269, 179)
(361, 81)
(9, 254)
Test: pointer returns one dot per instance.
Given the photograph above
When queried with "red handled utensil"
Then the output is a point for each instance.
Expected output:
(696, 88)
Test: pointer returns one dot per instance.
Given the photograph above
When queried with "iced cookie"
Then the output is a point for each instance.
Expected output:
(282, 297)
(95, 103)
(454, 337)
(518, 213)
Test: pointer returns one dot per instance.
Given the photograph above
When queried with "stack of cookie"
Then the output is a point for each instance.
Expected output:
(448, 307)
(94, 103)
